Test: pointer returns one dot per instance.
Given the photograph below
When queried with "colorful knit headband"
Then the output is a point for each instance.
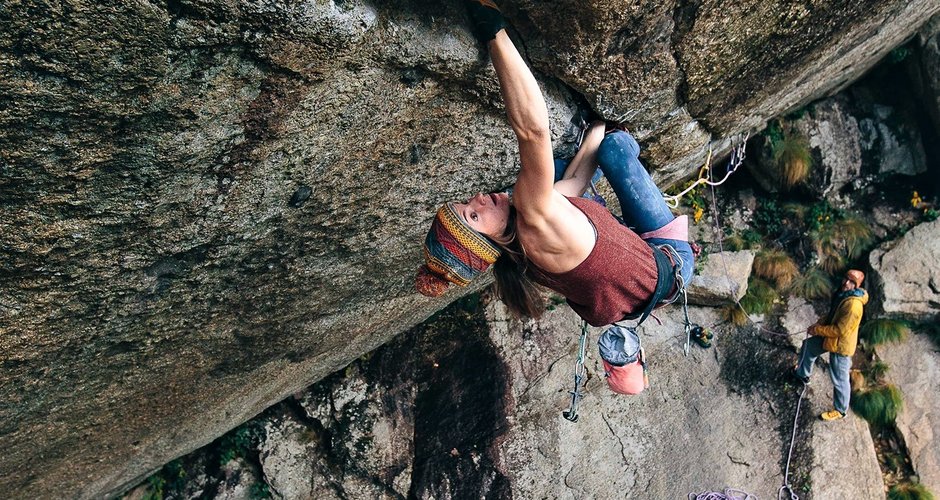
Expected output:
(453, 252)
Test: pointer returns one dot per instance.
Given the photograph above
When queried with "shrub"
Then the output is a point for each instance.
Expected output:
(760, 296)
(878, 405)
(734, 315)
(734, 242)
(880, 331)
(776, 265)
(794, 159)
(877, 371)
(768, 218)
(836, 236)
(909, 491)
(856, 235)
(812, 284)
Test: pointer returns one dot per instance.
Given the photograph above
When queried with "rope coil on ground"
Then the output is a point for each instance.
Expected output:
(728, 494)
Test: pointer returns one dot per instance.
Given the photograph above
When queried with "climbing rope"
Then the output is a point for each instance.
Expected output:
(705, 173)
(786, 476)
(719, 236)
(728, 494)
(579, 372)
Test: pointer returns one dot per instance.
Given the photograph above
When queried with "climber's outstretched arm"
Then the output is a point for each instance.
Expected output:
(528, 116)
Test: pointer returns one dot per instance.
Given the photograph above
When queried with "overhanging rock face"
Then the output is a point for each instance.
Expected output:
(209, 204)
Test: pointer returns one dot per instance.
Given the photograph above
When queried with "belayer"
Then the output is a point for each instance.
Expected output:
(546, 233)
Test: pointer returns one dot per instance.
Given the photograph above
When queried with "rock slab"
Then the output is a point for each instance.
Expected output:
(906, 272)
(915, 369)
(722, 280)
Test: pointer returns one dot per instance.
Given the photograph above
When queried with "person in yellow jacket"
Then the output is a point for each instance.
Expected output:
(837, 335)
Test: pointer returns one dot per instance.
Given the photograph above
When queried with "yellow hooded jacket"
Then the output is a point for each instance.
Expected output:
(841, 334)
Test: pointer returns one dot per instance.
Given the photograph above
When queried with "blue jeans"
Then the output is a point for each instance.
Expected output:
(641, 202)
(839, 367)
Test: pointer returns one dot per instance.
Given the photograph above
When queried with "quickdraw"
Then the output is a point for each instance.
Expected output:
(704, 174)
(579, 373)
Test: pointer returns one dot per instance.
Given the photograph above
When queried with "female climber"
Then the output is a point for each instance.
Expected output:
(546, 233)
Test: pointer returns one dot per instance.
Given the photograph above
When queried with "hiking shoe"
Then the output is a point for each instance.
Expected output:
(831, 415)
(486, 19)
(796, 376)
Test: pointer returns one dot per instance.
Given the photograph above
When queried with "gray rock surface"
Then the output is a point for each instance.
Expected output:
(722, 279)
(799, 316)
(641, 446)
(929, 41)
(847, 135)
(915, 369)
(844, 461)
(906, 273)
(208, 204)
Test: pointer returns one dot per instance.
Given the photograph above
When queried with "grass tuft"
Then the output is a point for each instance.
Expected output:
(734, 315)
(881, 331)
(909, 491)
(812, 284)
(879, 405)
(793, 158)
(760, 296)
(877, 371)
(776, 265)
(857, 380)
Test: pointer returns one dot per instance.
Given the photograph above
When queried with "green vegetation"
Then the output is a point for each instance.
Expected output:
(909, 491)
(836, 236)
(768, 218)
(878, 405)
(239, 442)
(776, 265)
(760, 296)
(734, 315)
(171, 478)
(876, 371)
(794, 159)
(880, 331)
(259, 491)
(812, 284)
(744, 240)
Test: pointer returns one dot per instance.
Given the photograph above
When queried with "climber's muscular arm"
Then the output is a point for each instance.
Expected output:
(528, 115)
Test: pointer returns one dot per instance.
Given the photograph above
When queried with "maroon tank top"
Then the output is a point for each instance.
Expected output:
(618, 277)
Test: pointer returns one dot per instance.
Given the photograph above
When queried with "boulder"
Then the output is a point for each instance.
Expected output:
(799, 316)
(905, 276)
(722, 279)
(914, 366)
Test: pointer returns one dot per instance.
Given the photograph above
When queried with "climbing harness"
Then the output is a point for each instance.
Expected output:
(705, 173)
(579, 373)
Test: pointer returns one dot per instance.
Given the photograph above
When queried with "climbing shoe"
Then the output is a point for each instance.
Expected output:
(485, 18)
(702, 336)
(798, 378)
(831, 415)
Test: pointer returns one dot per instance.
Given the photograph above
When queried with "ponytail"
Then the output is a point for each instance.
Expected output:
(514, 284)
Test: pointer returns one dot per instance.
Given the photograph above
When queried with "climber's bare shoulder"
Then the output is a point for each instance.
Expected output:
(557, 238)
